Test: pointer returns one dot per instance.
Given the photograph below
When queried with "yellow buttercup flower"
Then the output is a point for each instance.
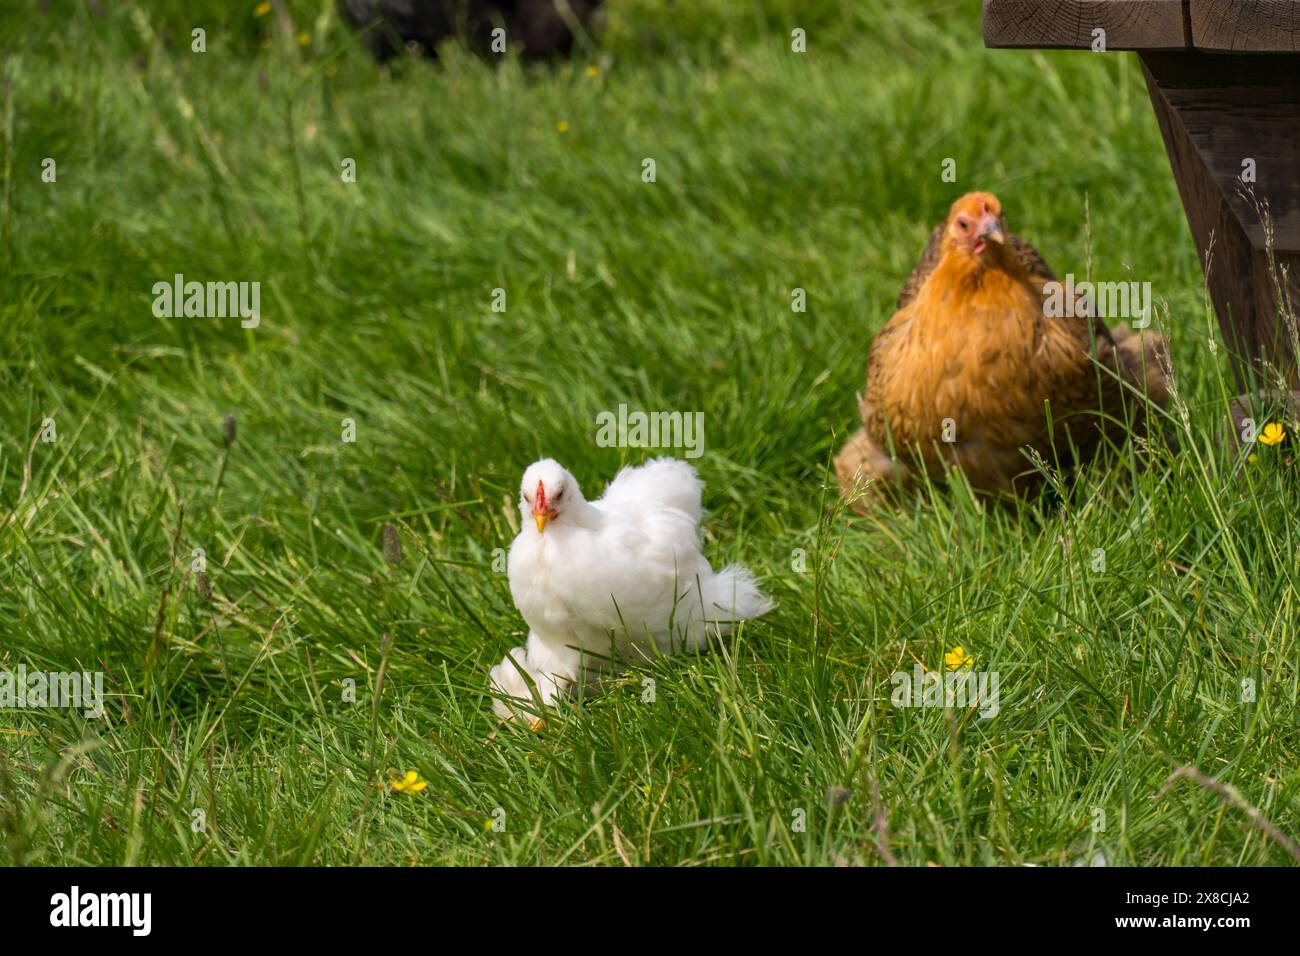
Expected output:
(411, 783)
(562, 127)
(1272, 434)
(957, 659)
(262, 9)
(304, 39)
(593, 71)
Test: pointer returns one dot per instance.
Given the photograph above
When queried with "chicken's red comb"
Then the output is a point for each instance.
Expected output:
(539, 502)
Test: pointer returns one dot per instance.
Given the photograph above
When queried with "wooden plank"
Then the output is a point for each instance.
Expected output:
(1238, 107)
(1246, 26)
(1069, 24)
(1243, 280)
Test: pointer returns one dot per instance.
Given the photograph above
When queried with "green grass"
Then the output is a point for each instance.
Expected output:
(775, 171)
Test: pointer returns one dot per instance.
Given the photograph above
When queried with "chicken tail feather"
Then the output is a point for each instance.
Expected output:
(733, 595)
(1145, 361)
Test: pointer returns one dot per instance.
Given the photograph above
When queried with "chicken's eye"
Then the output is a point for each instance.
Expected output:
(559, 494)
(963, 224)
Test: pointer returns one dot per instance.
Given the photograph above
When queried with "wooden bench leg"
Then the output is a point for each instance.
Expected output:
(1243, 281)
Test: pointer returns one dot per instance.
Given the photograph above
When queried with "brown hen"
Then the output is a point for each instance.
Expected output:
(973, 372)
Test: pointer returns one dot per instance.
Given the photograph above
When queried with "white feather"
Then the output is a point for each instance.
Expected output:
(612, 579)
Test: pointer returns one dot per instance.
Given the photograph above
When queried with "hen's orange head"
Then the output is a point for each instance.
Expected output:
(975, 226)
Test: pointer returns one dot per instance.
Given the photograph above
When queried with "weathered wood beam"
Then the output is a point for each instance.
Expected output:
(1242, 114)
(1069, 24)
(1256, 26)
(1244, 279)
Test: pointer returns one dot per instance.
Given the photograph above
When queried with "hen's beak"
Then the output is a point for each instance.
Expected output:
(991, 228)
(543, 516)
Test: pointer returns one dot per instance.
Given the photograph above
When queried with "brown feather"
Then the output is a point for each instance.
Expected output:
(1034, 263)
(972, 347)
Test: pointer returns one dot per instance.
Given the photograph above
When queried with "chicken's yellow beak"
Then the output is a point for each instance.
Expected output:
(541, 517)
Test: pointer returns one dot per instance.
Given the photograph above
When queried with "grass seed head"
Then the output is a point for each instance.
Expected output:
(392, 545)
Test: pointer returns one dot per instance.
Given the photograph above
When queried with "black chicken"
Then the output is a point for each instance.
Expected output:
(535, 29)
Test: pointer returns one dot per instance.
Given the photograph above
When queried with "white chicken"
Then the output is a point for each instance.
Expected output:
(602, 581)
